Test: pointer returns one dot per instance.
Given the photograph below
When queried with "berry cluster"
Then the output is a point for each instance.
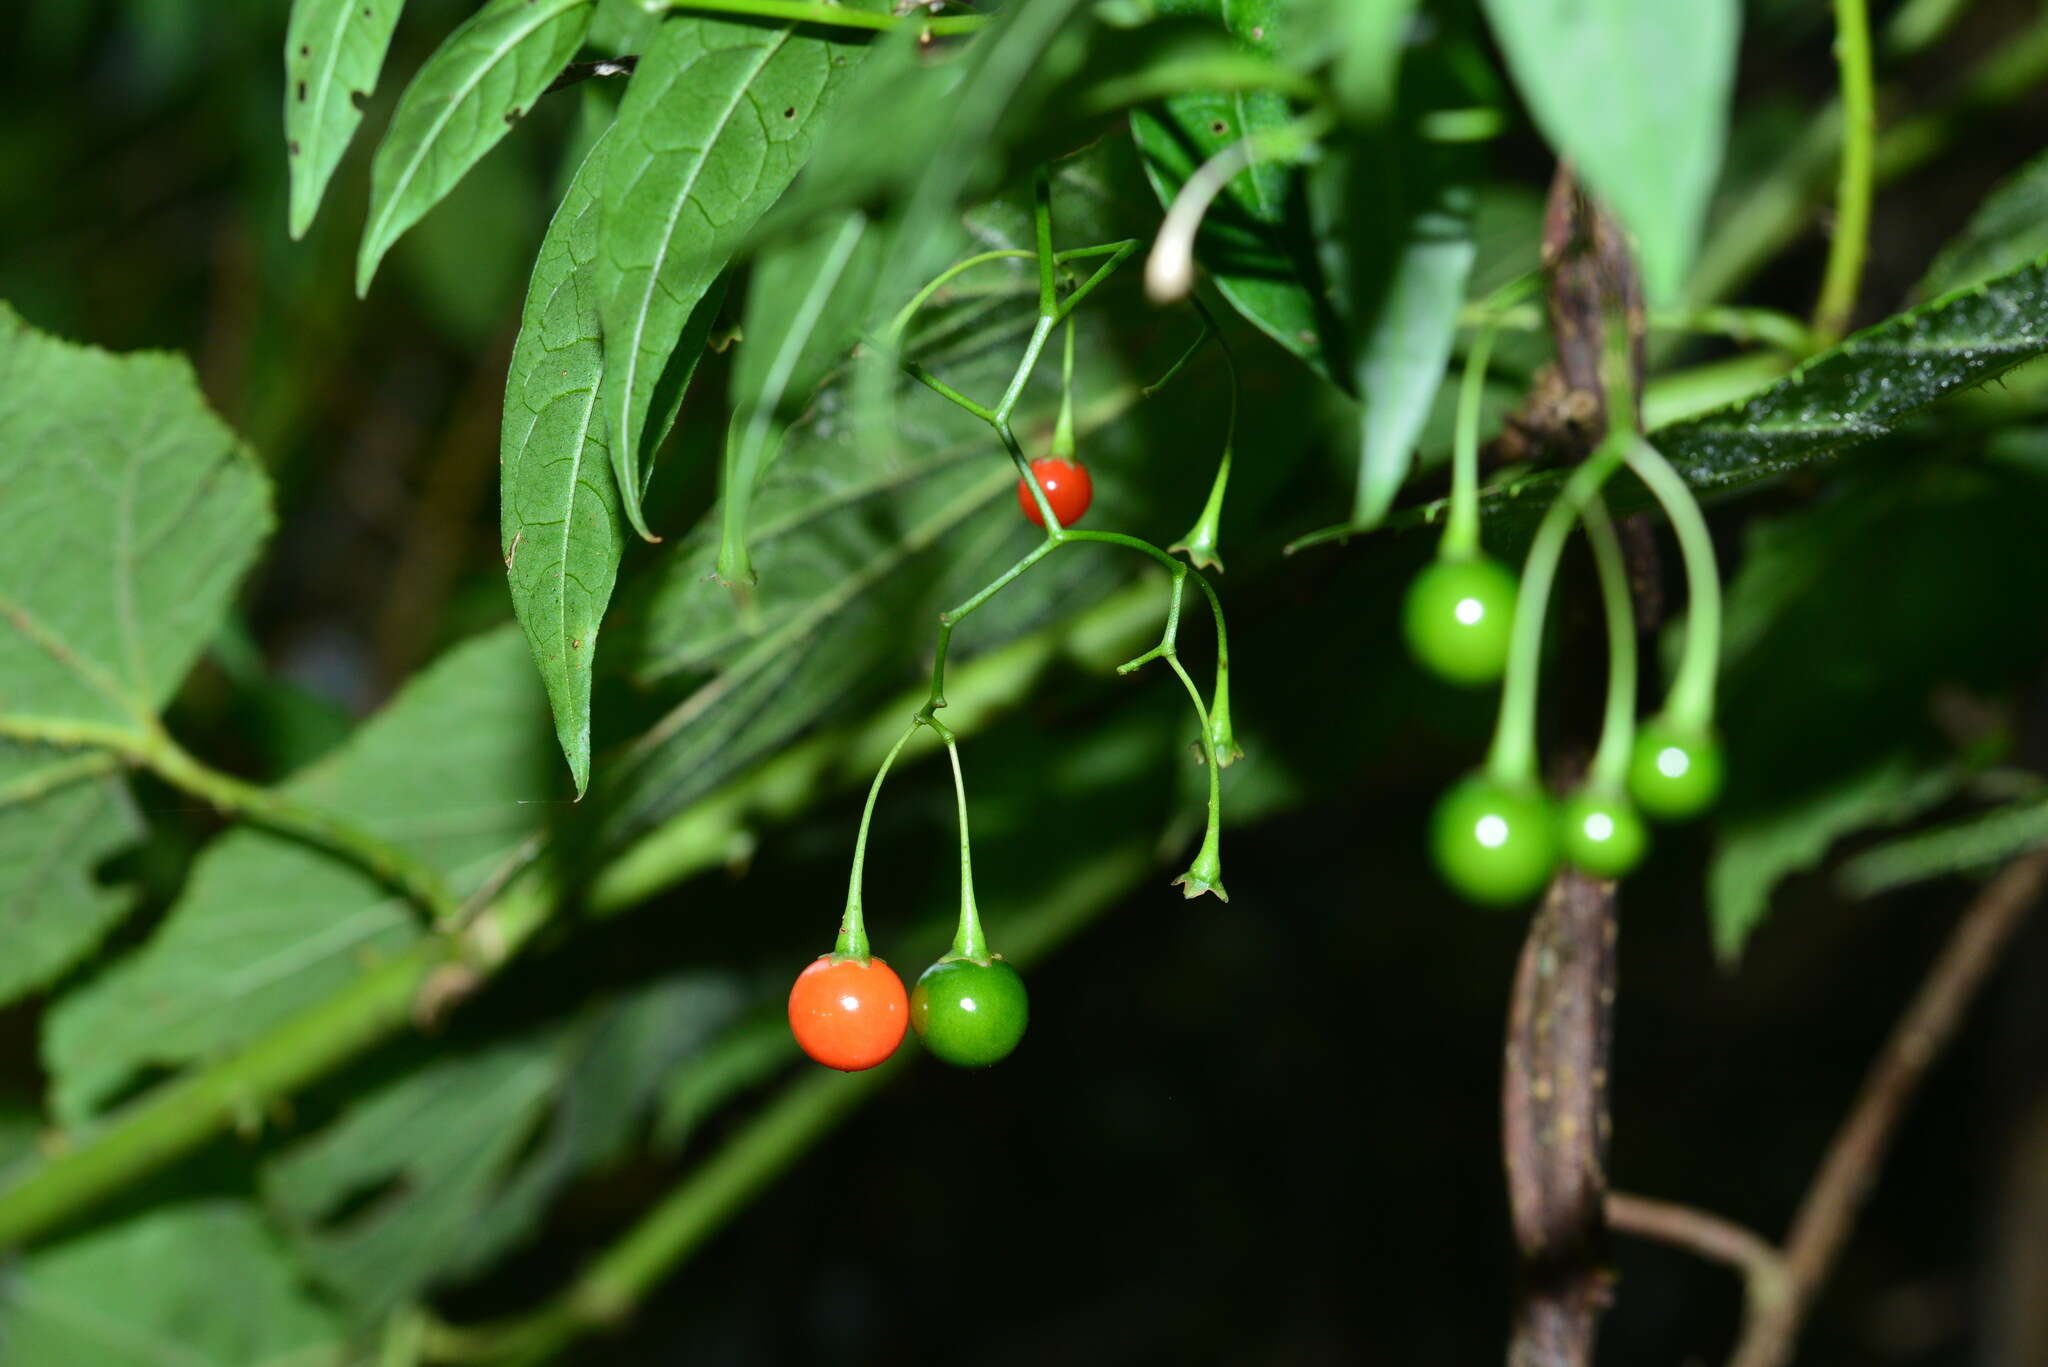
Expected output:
(1497, 836)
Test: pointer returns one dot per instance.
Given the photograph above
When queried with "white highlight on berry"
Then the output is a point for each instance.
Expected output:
(1672, 762)
(1469, 611)
(1492, 831)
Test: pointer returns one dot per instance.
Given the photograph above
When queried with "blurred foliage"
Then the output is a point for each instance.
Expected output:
(1196, 1073)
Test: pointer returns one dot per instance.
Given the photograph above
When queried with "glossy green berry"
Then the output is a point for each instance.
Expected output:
(1494, 843)
(1602, 834)
(1674, 773)
(969, 1013)
(1458, 618)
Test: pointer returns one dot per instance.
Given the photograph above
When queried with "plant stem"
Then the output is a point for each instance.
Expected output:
(853, 931)
(968, 941)
(1837, 1193)
(1199, 545)
(1512, 758)
(1844, 273)
(774, 1138)
(1063, 427)
(152, 748)
(834, 16)
(1461, 527)
(1609, 770)
(177, 1117)
(1690, 705)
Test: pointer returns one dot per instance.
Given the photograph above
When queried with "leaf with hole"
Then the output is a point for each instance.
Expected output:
(477, 84)
(1252, 238)
(333, 50)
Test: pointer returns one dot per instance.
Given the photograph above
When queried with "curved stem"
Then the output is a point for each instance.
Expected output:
(968, 941)
(1512, 758)
(1063, 428)
(1461, 527)
(1609, 772)
(1170, 268)
(151, 747)
(1199, 545)
(1691, 701)
(1844, 273)
(853, 930)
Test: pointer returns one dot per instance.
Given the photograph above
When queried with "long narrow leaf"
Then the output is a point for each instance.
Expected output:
(333, 50)
(468, 95)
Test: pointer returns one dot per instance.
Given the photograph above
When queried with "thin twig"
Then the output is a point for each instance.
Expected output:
(1857, 1153)
(1696, 1231)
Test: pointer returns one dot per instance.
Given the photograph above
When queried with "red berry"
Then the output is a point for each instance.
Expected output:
(847, 1014)
(1067, 486)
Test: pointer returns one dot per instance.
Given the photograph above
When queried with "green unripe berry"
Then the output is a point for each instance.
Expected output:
(1602, 834)
(1458, 618)
(970, 1014)
(1674, 773)
(1495, 844)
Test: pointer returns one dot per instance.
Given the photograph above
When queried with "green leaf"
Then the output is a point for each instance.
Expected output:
(1759, 849)
(132, 513)
(1636, 96)
(1863, 387)
(60, 817)
(1406, 334)
(451, 770)
(1974, 843)
(1250, 239)
(805, 304)
(468, 95)
(198, 1284)
(2009, 229)
(558, 507)
(433, 1176)
(333, 50)
(716, 123)
(860, 545)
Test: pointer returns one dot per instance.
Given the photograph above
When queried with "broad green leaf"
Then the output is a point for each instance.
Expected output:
(716, 123)
(1636, 97)
(1974, 843)
(431, 1177)
(61, 815)
(1758, 849)
(132, 512)
(2009, 229)
(558, 510)
(805, 304)
(477, 84)
(451, 770)
(1250, 239)
(333, 50)
(198, 1284)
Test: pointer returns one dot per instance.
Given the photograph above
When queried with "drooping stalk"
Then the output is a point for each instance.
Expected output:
(1609, 771)
(853, 931)
(1691, 701)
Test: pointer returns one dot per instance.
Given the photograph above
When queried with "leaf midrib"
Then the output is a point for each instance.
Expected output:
(540, 17)
(627, 438)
